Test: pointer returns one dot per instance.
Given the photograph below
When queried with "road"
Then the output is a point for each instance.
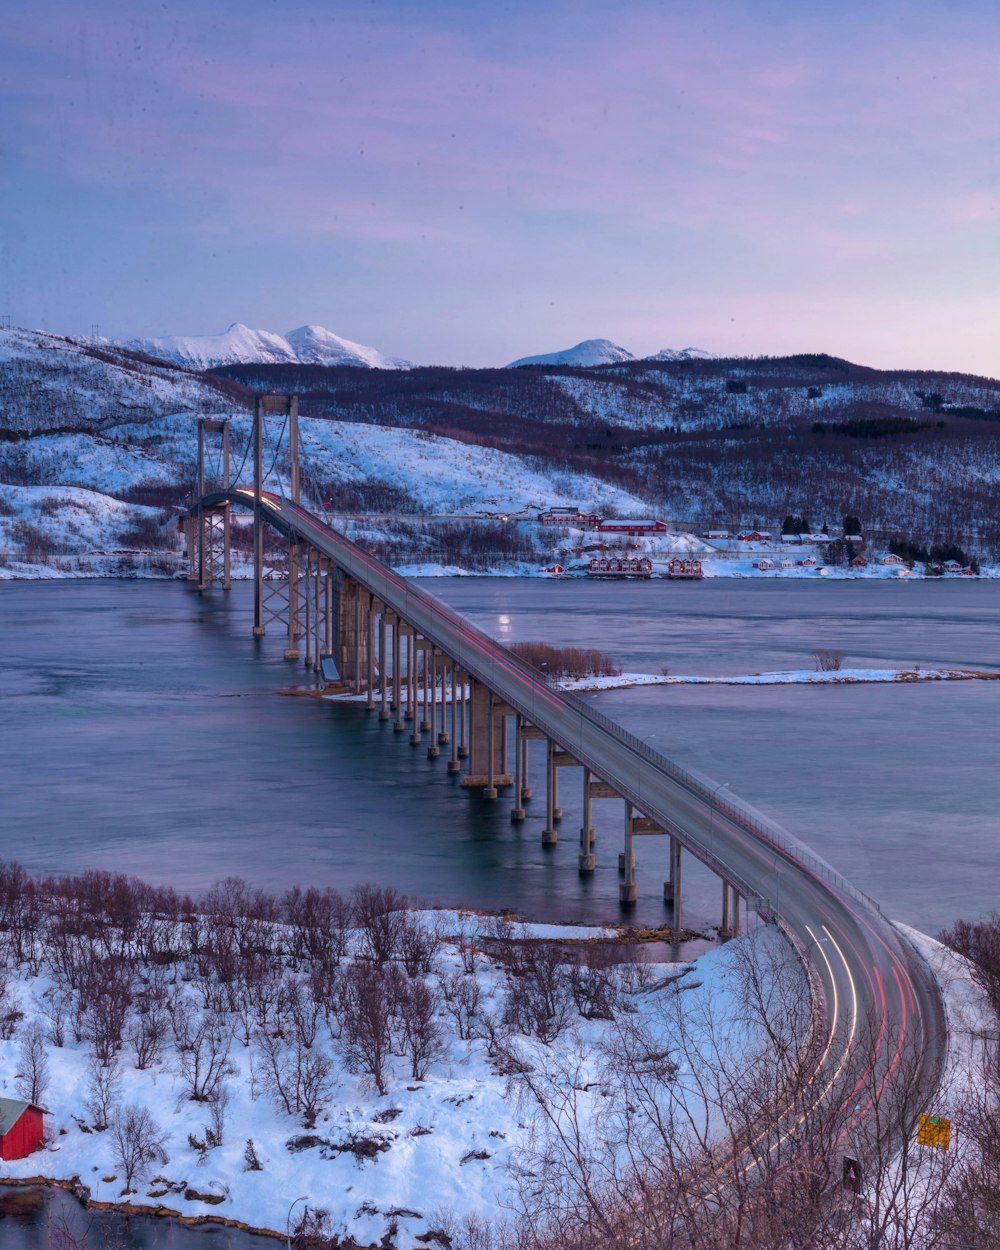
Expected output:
(882, 1010)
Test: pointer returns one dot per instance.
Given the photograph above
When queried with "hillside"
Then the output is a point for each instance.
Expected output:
(710, 442)
(98, 451)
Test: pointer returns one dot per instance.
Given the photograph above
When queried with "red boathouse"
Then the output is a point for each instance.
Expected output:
(21, 1128)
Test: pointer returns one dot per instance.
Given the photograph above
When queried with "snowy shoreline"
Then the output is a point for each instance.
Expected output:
(806, 677)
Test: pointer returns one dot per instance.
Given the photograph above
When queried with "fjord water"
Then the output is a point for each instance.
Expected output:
(32, 1217)
(144, 731)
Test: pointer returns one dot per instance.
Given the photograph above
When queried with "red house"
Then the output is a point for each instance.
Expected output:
(650, 526)
(21, 1128)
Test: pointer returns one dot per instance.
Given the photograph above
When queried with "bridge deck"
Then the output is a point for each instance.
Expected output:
(869, 974)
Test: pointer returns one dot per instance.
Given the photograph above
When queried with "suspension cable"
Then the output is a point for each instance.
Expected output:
(277, 448)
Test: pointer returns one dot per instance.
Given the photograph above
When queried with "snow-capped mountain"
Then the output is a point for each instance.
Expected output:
(683, 353)
(589, 352)
(240, 345)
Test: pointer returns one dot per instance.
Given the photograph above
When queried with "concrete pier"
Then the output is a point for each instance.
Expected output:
(627, 890)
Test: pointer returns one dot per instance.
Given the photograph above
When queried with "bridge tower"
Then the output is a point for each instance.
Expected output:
(209, 537)
(286, 406)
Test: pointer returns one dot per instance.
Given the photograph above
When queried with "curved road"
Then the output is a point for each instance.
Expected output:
(882, 1008)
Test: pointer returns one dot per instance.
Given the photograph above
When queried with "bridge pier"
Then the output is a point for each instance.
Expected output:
(627, 890)
(486, 718)
(445, 737)
(412, 705)
(549, 833)
(517, 812)
(453, 765)
(383, 681)
(587, 861)
(370, 647)
(726, 928)
(397, 694)
(433, 751)
(672, 887)
(423, 677)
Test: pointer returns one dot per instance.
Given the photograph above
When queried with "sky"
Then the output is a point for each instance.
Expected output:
(464, 184)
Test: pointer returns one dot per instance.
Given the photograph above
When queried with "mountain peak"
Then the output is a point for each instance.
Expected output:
(240, 344)
(683, 353)
(589, 352)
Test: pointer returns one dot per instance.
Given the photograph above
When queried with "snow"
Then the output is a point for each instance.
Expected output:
(970, 1019)
(314, 345)
(308, 345)
(684, 353)
(796, 677)
(431, 1128)
(103, 421)
(448, 476)
(589, 352)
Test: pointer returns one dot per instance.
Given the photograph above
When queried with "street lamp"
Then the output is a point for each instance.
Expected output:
(645, 742)
(288, 1219)
(711, 814)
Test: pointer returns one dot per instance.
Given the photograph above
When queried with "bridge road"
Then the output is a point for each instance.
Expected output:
(878, 992)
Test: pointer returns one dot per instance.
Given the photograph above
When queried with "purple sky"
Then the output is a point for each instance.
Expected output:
(465, 184)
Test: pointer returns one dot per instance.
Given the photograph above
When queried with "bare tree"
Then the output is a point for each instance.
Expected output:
(380, 914)
(146, 1033)
(968, 1212)
(106, 995)
(421, 1032)
(138, 1142)
(320, 921)
(369, 994)
(298, 1078)
(594, 982)
(102, 1090)
(462, 997)
(55, 1004)
(827, 660)
(205, 1062)
(979, 943)
(217, 1108)
(10, 1013)
(419, 943)
(32, 1079)
(538, 992)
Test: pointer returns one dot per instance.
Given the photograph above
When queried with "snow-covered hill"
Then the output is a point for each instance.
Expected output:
(698, 442)
(604, 352)
(100, 453)
(308, 345)
(48, 381)
(589, 352)
(683, 353)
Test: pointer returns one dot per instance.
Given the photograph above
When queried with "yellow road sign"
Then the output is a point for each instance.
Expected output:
(935, 1131)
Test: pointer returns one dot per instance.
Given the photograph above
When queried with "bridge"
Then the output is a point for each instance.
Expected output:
(432, 672)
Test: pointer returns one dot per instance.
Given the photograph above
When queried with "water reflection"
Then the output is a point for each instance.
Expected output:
(51, 1219)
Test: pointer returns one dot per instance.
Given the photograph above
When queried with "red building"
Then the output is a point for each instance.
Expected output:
(568, 516)
(21, 1128)
(622, 526)
(621, 566)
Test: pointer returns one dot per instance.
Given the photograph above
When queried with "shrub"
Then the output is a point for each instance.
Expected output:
(566, 661)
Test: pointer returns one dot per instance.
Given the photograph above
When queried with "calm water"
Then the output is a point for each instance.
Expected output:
(144, 731)
(41, 1219)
